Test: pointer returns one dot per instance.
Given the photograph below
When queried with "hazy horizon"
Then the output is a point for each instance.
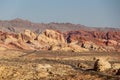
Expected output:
(92, 13)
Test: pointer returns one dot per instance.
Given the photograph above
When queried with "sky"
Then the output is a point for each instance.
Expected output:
(93, 13)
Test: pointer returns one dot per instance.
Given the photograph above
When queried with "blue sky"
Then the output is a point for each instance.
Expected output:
(95, 13)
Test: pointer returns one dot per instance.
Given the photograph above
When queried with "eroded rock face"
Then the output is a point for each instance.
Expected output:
(27, 36)
(29, 40)
(9, 39)
(91, 35)
(53, 40)
(15, 41)
(101, 65)
(77, 41)
(51, 37)
(95, 40)
(4, 35)
(92, 46)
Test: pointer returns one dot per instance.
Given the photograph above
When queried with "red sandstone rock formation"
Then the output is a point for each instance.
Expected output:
(82, 40)
(95, 39)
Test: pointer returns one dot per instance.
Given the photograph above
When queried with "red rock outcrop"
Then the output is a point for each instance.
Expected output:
(95, 39)
(51, 37)
(3, 35)
(27, 36)
(54, 40)
(29, 40)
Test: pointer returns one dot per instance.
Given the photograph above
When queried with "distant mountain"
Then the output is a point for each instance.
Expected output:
(18, 25)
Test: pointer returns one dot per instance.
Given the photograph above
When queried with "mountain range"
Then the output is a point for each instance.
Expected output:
(18, 25)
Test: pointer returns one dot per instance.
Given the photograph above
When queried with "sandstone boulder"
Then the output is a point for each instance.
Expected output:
(116, 66)
(101, 65)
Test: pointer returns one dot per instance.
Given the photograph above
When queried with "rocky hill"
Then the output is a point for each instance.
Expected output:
(18, 25)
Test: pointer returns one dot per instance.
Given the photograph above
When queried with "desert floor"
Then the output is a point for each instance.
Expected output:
(54, 65)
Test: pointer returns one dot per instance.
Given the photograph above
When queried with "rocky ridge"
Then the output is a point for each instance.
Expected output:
(28, 40)
(19, 25)
(77, 41)
(95, 40)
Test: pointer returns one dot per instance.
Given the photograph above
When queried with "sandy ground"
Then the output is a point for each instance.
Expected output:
(49, 65)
